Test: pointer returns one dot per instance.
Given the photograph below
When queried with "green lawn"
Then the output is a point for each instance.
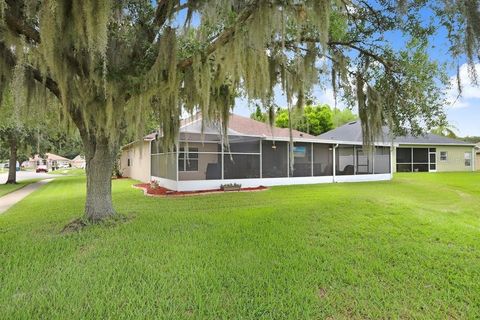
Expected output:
(7, 188)
(408, 248)
(69, 172)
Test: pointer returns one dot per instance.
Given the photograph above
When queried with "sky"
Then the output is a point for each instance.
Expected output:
(463, 113)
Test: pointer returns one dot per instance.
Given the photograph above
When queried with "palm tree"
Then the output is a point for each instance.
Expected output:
(447, 130)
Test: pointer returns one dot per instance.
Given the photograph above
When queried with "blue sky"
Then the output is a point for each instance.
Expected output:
(463, 113)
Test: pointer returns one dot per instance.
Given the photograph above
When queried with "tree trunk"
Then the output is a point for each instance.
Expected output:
(12, 170)
(100, 157)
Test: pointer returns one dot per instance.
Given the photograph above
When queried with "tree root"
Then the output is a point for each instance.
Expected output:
(79, 224)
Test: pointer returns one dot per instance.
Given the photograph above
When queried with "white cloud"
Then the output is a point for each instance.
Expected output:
(470, 93)
(325, 96)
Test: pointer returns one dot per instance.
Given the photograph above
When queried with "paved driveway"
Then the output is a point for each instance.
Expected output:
(26, 175)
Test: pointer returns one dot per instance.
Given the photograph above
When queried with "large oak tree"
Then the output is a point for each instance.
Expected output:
(109, 62)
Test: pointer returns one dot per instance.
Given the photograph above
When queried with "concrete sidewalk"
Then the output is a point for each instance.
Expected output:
(8, 200)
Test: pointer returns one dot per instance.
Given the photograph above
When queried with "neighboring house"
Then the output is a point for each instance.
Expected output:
(427, 153)
(255, 155)
(78, 162)
(52, 161)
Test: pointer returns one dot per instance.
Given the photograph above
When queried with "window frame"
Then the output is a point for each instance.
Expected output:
(467, 156)
(441, 156)
(193, 156)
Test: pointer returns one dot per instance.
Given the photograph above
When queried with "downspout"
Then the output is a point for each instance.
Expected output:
(334, 161)
(223, 155)
(261, 160)
(185, 152)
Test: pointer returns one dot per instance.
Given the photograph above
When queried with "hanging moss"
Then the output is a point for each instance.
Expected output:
(123, 67)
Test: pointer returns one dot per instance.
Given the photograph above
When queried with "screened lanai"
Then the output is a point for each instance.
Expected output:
(205, 160)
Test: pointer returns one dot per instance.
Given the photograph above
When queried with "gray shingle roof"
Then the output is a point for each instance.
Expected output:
(352, 131)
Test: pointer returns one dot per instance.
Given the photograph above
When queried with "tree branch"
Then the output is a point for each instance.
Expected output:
(164, 10)
(18, 26)
(9, 59)
(225, 36)
(387, 64)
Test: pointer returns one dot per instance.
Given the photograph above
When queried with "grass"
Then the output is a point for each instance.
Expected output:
(402, 249)
(69, 172)
(7, 188)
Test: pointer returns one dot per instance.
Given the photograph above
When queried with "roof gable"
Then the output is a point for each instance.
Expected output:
(352, 131)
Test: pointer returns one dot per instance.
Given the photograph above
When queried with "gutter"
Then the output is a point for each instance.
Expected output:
(133, 142)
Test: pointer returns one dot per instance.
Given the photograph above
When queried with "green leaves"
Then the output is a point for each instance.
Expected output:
(313, 120)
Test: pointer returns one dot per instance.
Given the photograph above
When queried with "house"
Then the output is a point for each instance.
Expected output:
(52, 161)
(427, 153)
(251, 154)
(78, 162)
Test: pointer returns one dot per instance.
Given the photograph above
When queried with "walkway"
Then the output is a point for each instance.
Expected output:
(27, 175)
(12, 198)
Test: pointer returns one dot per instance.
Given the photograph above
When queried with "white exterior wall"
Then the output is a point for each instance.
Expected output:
(195, 185)
(139, 155)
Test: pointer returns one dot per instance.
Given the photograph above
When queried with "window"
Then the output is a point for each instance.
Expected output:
(188, 161)
(443, 155)
(468, 159)
(420, 155)
(404, 155)
(128, 162)
(412, 159)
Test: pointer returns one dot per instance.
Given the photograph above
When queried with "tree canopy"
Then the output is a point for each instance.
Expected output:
(110, 62)
(313, 120)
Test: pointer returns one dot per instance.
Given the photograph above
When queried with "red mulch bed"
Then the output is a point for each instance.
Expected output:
(160, 191)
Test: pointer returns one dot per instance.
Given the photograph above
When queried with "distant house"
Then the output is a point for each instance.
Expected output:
(255, 155)
(427, 153)
(78, 162)
(52, 161)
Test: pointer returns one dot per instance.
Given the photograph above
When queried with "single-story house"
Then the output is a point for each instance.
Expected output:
(257, 154)
(426, 153)
(252, 154)
(50, 160)
(78, 162)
